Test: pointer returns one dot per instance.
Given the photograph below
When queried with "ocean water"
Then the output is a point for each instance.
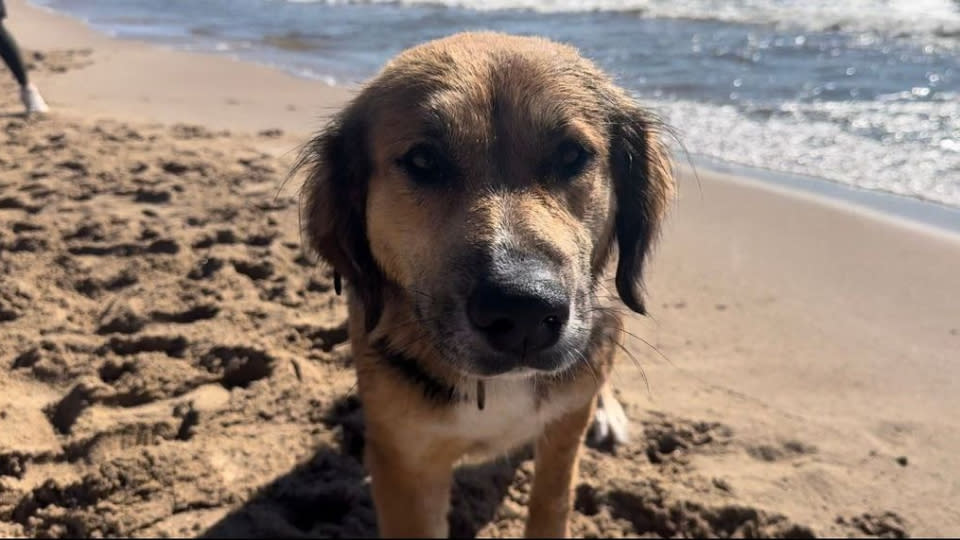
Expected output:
(860, 92)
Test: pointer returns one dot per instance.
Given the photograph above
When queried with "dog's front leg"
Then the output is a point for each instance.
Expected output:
(411, 495)
(557, 459)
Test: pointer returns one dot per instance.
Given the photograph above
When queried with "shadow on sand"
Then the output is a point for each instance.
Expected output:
(329, 495)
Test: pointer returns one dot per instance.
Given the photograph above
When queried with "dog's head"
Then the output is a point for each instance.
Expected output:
(484, 179)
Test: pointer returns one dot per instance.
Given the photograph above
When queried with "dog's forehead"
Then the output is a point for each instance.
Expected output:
(524, 96)
(504, 106)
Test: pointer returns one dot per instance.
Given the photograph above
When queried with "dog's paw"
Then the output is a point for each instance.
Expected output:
(610, 428)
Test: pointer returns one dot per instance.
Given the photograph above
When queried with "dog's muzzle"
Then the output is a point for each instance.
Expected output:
(520, 309)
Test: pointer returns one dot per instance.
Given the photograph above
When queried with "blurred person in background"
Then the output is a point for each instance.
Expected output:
(29, 94)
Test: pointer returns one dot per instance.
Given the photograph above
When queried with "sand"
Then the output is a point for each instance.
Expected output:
(171, 364)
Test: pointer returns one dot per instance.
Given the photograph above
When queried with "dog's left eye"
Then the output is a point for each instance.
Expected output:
(571, 158)
(423, 163)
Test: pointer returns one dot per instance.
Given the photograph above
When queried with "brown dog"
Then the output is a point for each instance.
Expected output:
(471, 195)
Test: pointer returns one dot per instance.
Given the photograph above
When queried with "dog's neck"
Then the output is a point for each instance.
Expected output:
(435, 389)
(415, 360)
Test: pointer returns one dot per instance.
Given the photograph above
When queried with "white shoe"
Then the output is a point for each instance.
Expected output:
(32, 100)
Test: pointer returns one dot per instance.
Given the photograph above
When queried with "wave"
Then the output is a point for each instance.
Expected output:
(937, 19)
(846, 142)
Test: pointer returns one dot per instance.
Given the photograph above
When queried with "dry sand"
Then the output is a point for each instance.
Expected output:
(171, 364)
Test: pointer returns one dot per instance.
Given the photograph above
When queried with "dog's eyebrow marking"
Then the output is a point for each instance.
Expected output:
(435, 131)
(434, 390)
(436, 125)
(568, 130)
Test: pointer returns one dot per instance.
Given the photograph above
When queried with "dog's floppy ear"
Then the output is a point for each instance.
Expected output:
(333, 215)
(643, 179)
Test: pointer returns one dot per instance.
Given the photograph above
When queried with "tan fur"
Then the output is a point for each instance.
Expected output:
(499, 106)
(557, 455)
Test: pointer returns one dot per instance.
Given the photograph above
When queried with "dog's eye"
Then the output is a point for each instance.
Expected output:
(422, 163)
(571, 158)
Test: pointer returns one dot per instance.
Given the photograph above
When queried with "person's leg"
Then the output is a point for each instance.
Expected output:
(11, 55)
(29, 94)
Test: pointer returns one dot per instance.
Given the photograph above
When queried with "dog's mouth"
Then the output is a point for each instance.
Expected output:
(513, 366)
(487, 353)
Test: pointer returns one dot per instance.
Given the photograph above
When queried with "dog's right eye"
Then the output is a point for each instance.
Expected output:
(423, 163)
(571, 159)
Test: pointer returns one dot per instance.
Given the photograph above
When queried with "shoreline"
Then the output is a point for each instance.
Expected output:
(818, 339)
(937, 218)
(911, 212)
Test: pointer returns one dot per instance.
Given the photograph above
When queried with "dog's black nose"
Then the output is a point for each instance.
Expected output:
(519, 316)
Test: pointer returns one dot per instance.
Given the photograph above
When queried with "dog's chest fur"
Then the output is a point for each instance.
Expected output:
(513, 414)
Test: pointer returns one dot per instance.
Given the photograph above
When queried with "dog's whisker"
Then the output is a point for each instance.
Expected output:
(630, 334)
(411, 321)
(636, 362)
(415, 290)
(591, 367)
(648, 344)
(415, 339)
